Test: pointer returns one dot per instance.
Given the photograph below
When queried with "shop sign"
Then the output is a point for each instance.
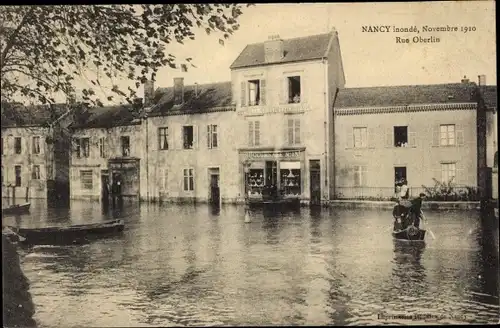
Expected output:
(257, 110)
(281, 154)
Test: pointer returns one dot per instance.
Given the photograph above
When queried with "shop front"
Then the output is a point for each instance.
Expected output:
(123, 176)
(275, 174)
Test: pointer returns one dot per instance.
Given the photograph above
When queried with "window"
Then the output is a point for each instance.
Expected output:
(400, 136)
(125, 142)
(86, 179)
(253, 93)
(293, 131)
(188, 179)
(102, 147)
(35, 173)
(85, 147)
(360, 176)
(17, 170)
(188, 137)
(212, 138)
(162, 138)
(448, 172)
(17, 145)
(360, 137)
(447, 134)
(294, 91)
(35, 145)
(253, 133)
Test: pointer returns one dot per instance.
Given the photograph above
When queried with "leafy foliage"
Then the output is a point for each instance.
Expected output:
(448, 191)
(45, 48)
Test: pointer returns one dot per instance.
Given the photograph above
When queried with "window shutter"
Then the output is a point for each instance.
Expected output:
(42, 172)
(297, 131)
(262, 92)
(290, 131)
(195, 137)
(178, 137)
(435, 136)
(372, 138)
(257, 133)
(412, 140)
(243, 93)
(209, 127)
(303, 90)
(460, 134)
(42, 144)
(389, 142)
(349, 142)
(250, 133)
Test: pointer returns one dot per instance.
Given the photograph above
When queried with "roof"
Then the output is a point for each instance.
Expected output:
(210, 97)
(405, 95)
(296, 49)
(18, 115)
(490, 95)
(106, 117)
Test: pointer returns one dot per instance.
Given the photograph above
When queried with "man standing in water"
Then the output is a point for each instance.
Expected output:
(416, 209)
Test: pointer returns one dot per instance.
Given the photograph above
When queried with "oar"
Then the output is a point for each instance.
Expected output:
(425, 220)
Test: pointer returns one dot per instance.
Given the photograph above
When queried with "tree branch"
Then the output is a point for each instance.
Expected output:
(10, 41)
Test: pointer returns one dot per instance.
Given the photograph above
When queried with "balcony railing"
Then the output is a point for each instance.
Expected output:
(457, 193)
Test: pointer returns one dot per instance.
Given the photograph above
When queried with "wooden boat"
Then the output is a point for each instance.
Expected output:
(16, 209)
(81, 233)
(411, 233)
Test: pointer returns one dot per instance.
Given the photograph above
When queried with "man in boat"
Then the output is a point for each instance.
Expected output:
(400, 213)
(416, 209)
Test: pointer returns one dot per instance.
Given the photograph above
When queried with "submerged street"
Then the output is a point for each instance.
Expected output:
(192, 265)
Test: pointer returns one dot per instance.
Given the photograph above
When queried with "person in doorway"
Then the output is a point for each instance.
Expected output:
(404, 192)
(416, 209)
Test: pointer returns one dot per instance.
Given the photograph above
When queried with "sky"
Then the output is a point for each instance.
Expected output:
(369, 59)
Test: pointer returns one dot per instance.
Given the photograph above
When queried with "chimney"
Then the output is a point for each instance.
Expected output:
(149, 90)
(465, 79)
(178, 90)
(137, 104)
(482, 80)
(196, 89)
(273, 49)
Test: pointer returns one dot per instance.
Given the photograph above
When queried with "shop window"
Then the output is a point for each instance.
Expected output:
(253, 92)
(86, 179)
(400, 136)
(17, 171)
(125, 142)
(255, 181)
(163, 138)
(188, 137)
(290, 178)
(294, 89)
(35, 173)
(447, 134)
(448, 172)
(212, 136)
(188, 179)
(35, 145)
(17, 145)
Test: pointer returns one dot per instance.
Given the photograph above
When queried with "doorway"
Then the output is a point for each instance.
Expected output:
(399, 174)
(271, 173)
(315, 182)
(214, 186)
(105, 185)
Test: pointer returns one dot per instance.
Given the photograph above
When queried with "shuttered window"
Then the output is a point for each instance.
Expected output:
(360, 176)
(253, 133)
(293, 131)
(86, 179)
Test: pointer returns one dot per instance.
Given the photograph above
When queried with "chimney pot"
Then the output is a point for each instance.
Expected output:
(149, 90)
(178, 90)
(273, 49)
(482, 79)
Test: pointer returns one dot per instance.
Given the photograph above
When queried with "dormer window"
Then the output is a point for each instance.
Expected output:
(294, 89)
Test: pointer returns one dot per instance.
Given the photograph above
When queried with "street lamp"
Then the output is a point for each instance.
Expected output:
(246, 169)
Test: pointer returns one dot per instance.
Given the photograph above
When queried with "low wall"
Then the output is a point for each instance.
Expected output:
(18, 307)
(434, 205)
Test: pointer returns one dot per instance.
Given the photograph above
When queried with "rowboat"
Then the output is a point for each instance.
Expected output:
(16, 209)
(411, 233)
(80, 233)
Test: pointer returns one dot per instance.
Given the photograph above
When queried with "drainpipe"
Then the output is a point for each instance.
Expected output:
(326, 129)
(334, 182)
(147, 156)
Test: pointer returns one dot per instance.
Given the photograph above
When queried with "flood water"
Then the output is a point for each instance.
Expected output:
(189, 266)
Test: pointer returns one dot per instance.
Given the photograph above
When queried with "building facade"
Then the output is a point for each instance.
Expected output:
(30, 160)
(424, 134)
(284, 91)
(108, 144)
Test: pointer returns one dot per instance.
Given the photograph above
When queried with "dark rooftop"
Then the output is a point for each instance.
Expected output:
(18, 115)
(406, 95)
(106, 117)
(296, 49)
(210, 96)
(490, 95)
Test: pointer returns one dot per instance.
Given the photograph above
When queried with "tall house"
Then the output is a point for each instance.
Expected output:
(423, 133)
(33, 161)
(284, 92)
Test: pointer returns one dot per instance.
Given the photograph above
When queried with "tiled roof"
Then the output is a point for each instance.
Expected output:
(490, 95)
(405, 95)
(210, 96)
(296, 49)
(106, 117)
(18, 115)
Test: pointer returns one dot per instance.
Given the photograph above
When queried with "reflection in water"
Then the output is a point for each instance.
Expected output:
(185, 265)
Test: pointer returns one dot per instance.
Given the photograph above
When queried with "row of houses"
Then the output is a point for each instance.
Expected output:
(285, 119)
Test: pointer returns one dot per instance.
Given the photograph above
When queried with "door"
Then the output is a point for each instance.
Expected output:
(315, 182)
(399, 174)
(214, 190)
(104, 185)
